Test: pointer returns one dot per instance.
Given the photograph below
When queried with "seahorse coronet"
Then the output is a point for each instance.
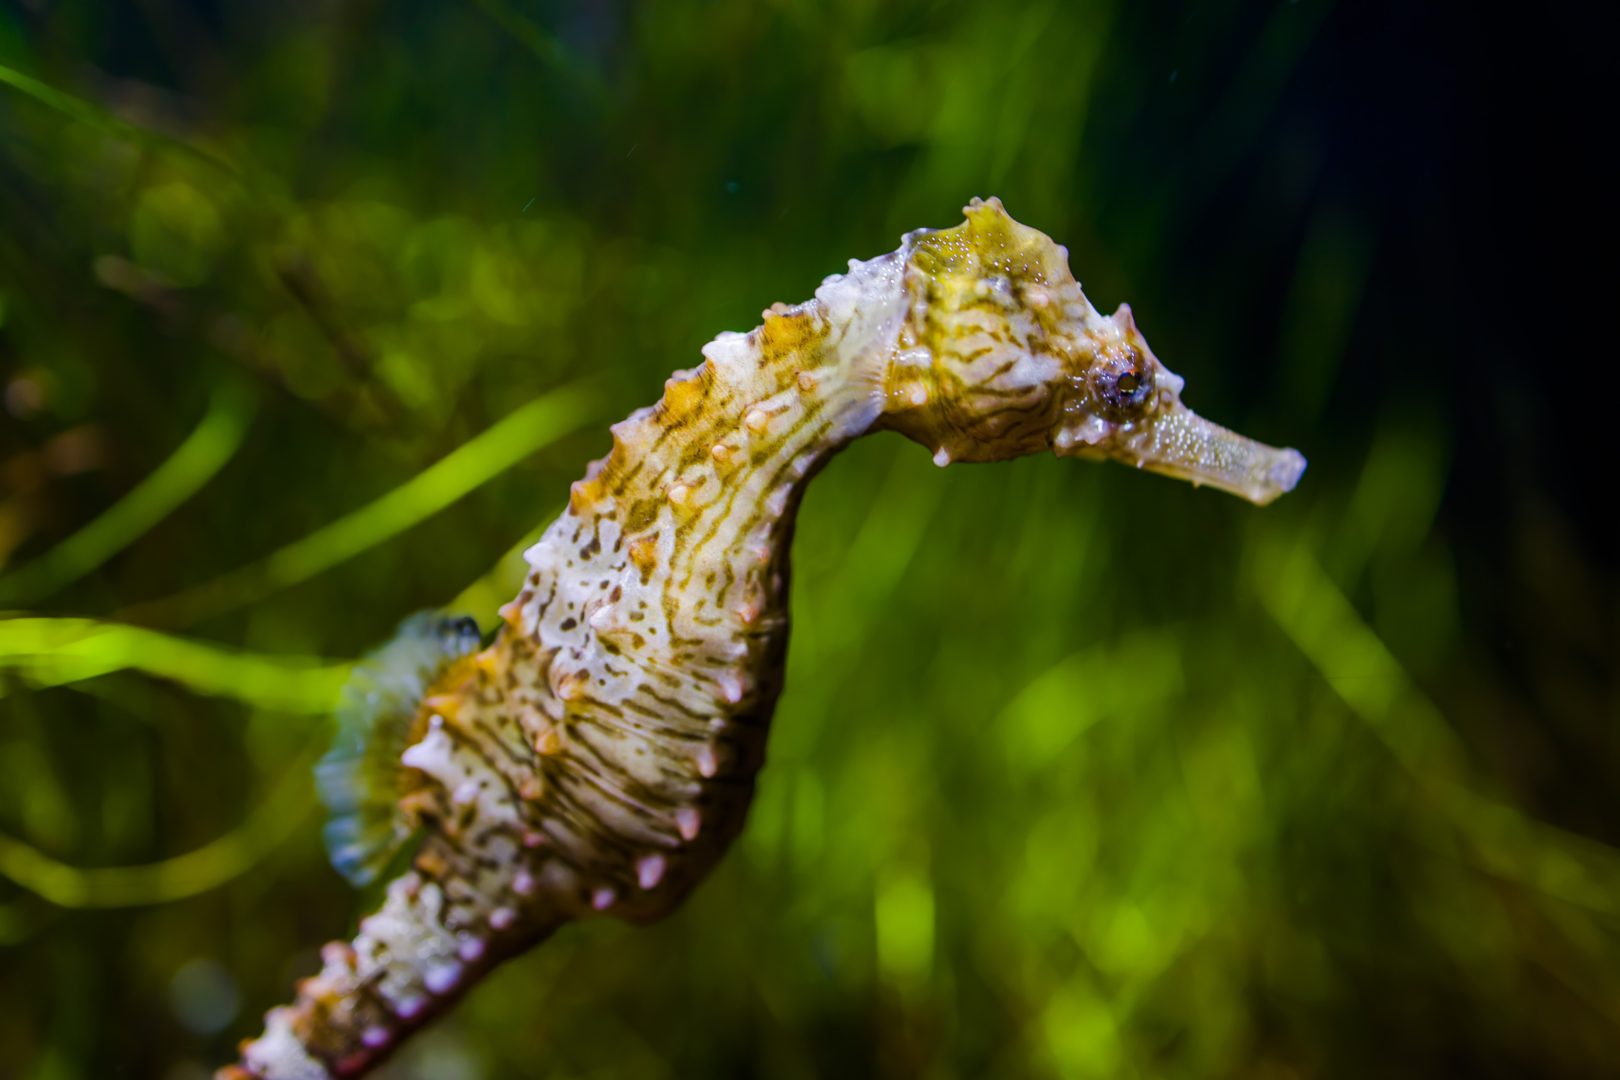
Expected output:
(599, 755)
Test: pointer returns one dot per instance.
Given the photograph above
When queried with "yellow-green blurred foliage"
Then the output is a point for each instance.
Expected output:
(309, 313)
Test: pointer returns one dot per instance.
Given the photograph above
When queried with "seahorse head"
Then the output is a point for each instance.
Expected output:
(1002, 355)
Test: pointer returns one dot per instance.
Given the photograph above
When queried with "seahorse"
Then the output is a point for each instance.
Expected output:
(598, 756)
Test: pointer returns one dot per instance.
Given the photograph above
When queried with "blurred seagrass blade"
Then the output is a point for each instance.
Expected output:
(554, 54)
(1312, 610)
(56, 652)
(196, 461)
(94, 116)
(196, 871)
(471, 465)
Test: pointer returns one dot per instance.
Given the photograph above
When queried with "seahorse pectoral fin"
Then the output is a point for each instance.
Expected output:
(1178, 442)
(360, 778)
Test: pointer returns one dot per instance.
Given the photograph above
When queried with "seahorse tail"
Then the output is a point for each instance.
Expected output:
(410, 960)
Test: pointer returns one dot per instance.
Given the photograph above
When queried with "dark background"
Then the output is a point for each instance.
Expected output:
(1079, 772)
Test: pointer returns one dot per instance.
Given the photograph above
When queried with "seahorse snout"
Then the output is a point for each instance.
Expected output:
(1178, 442)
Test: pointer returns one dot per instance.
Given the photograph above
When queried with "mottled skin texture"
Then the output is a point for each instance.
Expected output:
(599, 756)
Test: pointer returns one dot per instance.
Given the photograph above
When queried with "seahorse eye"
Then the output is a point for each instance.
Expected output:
(1125, 385)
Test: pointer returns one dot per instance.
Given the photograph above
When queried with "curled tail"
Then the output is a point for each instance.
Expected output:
(408, 962)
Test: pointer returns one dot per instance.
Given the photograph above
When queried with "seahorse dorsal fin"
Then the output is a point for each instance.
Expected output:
(360, 778)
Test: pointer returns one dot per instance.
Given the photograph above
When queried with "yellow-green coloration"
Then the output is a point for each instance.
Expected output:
(600, 755)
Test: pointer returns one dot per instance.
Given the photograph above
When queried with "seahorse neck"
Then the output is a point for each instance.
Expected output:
(767, 406)
(674, 541)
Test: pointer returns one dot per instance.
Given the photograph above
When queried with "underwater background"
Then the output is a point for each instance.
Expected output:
(310, 311)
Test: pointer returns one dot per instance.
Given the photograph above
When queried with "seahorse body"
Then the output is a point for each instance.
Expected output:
(599, 756)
